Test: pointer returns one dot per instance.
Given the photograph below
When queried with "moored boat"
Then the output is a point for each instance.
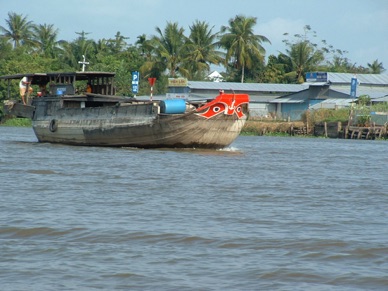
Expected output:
(61, 114)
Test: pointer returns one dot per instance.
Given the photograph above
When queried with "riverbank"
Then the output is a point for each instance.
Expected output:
(257, 127)
(321, 129)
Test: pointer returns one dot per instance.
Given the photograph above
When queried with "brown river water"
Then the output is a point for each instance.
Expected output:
(267, 213)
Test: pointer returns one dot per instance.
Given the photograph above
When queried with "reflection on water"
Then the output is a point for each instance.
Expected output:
(267, 213)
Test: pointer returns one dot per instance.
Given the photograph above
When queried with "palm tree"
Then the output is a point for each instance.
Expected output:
(341, 65)
(73, 52)
(118, 44)
(67, 56)
(145, 46)
(102, 47)
(241, 43)
(304, 57)
(376, 67)
(168, 49)
(45, 37)
(201, 49)
(19, 29)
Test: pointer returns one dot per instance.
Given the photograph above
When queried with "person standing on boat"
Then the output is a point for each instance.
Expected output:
(24, 84)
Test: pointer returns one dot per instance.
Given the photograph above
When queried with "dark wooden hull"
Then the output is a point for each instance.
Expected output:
(133, 125)
(164, 131)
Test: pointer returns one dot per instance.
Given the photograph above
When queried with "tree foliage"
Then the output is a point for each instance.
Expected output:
(18, 29)
(243, 47)
(201, 50)
(376, 67)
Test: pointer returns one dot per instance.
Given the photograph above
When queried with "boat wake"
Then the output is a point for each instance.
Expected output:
(230, 149)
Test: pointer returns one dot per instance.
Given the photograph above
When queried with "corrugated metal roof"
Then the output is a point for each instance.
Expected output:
(345, 78)
(262, 99)
(333, 103)
(373, 92)
(258, 87)
(381, 99)
(289, 100)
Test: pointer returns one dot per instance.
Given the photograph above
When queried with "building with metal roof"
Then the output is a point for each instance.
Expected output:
(289, 101)
(254, 88)
(330, 88)
(260, 94)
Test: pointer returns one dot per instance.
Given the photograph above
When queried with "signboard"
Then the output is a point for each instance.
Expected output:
(177, 95)
(152, 81)
(353, 87)
(135, 82)
(316, 77)
(177, 82)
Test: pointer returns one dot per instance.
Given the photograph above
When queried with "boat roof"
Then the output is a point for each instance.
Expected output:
(79, 75)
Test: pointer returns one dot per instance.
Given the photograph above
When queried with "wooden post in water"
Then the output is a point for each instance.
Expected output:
(325, 125)
(339, 128)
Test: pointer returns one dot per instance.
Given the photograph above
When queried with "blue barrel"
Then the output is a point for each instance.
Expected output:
(173, 106)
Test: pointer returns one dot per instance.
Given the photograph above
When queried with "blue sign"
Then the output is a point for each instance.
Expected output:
(135, 82)
(316, 77)
(353, 87)
(322, 77)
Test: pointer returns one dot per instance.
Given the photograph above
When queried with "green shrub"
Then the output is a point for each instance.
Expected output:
(325, 115)
(17, 122)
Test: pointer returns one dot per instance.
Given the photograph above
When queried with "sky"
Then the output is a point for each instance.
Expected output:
(359, 27)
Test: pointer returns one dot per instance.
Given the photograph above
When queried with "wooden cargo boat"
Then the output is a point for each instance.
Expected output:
(60, 114)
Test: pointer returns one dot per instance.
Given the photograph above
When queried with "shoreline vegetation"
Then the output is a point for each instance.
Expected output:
(273, 128)
(16, 121)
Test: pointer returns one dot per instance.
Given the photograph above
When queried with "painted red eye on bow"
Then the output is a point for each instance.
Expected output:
(239, 111)
(214, 110)
(227, 104)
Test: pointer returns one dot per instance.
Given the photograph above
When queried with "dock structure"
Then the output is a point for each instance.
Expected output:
(341, 130)
(371, 132)
(298, 130)
(329, 129)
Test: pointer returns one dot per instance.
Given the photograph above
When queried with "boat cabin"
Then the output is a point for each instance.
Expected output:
(71, 83)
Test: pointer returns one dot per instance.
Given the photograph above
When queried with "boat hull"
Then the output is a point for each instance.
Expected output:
(136, 125)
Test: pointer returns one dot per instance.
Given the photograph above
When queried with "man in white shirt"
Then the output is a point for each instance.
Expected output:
(23, 85)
